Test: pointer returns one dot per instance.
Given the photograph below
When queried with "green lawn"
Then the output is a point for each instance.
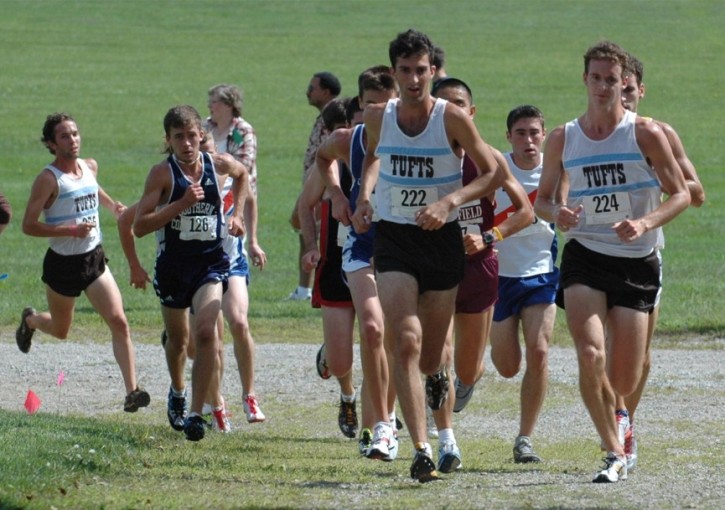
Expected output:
(118, 66)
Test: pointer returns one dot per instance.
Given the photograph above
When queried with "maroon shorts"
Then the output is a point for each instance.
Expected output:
(479, 288)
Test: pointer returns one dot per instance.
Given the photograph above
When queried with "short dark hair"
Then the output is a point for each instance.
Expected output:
(353, 106)
(376, 78)
(334, 113)
(525, 111)
(181, 116)
(329, 81)
(439, 57)
(51, 122)
(454, 83)
(410, 42)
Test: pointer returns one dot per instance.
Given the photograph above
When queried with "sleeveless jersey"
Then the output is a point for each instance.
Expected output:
(77, 202)
(613, 181)
(532, 250)
(357, 154)
(474, 217)
(199, 229)
(415, 171)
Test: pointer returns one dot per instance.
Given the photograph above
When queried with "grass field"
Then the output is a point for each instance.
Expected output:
(118, 67)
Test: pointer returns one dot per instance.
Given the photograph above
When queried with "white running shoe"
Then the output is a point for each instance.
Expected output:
(630, 448)
(622, 427)
(220, 421)
(252, 410)
(464, 393)
(297, 295)
(384, 445)
(614, 469)
(449, 457)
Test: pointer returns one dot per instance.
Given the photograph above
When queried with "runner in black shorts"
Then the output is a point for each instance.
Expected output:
(69, 275)
(436, 258)
(413, 162)
(68, 196)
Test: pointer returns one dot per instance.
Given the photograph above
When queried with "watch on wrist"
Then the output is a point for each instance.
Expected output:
(489, 239)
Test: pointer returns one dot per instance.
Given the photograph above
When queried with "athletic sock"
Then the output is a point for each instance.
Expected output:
(446, 436)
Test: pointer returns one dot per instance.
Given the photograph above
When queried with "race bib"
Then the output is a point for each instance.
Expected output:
(342, 232)
(198, 228)
(406, 202)
(471, 229)
(607, 208)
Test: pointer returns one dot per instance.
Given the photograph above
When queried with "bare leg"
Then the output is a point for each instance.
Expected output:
(586, 316)
(105, 298)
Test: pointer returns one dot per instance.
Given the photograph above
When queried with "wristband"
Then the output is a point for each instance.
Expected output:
(497, 233)
(74, 230)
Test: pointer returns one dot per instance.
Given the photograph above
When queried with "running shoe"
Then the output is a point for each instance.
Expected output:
(630, 448)
(423, 469)
(295, 295)
(24, 333)
(449, 457)
(436, 389)
(220, 420)
(321, 364)
(464, 392)
(365, 441)
(622, 426)
(137, 398)
(614, 470)
(384, 445)
(176, 410)
(194, 427)
(524, 451)
(347, 418)
(252, 410)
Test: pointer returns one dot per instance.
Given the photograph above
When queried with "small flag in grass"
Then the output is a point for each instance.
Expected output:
(32, 402)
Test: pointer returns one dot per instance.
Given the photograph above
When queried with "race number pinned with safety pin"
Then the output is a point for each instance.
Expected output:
(197, 228)
(406, 202)
(607, 208)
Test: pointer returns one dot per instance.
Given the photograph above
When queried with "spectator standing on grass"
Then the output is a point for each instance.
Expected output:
(233, 135)
(6, 212)
(67, 194)
(477, 292)
(528, 281)
(323, 88)
(609, 164)
(413, 161)
(182, 204)
(632, 93)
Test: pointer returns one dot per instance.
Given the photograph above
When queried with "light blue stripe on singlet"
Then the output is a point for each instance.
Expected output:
(78, 191)
(60, 219)
(412, 181)
(653, 183)
(603, 158)
(413, 151)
